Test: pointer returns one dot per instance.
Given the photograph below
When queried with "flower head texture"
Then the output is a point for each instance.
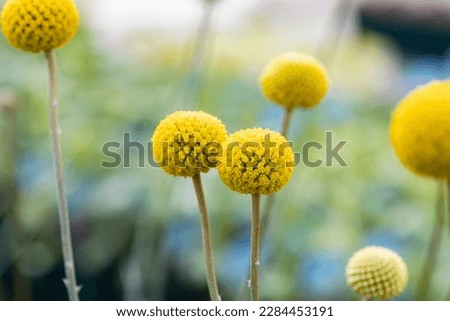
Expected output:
(420, 130)
(186, 143)
(377, 273)
(294, 79)
(39, 25)
(257, 161)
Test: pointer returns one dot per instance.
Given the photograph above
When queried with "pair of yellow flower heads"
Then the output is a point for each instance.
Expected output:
(419, 132)
(245, 164)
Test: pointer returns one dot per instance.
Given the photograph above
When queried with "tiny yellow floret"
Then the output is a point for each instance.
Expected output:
(186, 143)
(39, 25)
(294, 79)
(256, 161)
(377, 273)
(420, 130)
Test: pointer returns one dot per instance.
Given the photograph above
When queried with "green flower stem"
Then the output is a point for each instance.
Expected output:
(63, 210)
(270, 202)
(255, 248)
(286, 121)
(206, 239)
(434, 247)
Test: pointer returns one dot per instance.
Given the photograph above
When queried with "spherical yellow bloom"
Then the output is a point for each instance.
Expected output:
(39, 25)
(186, 143)
(420, 130)
(294, 80)
(256, 161)
(377, 273)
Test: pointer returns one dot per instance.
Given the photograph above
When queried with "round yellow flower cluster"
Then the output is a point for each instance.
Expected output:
(256, 161)
(377, 273)
(186, 143)
(294, 80)
(39, 25)
(420, 130)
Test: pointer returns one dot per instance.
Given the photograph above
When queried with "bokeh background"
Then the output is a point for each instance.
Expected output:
(136, 230)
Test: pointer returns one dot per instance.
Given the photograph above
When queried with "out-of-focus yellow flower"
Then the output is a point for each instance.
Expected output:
(294, 79)
(420, 130)
(256, 161)
(377, 273)
(186, 143)
(39, 25)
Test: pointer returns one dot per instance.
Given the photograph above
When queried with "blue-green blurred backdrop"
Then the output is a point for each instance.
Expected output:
(136, 230)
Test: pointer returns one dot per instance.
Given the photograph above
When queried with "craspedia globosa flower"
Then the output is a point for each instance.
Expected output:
(256, 161)
(39, 25)
(377, 273)
(294, 79)
(420, 130)
(186, 143)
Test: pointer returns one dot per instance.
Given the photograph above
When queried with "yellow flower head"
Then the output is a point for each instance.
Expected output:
(420, 130)
(39, 25)
(186, 143)
(377, 273)
(257, 161)
(294, 79)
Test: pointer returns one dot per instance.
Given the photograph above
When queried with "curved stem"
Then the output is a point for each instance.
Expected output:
(435, 245)
(254, 248)
(206, 239)
(63, 211)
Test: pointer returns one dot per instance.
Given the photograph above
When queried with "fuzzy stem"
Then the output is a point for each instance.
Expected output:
(268, 208)
(63, 210)
(255, 247)
(206, 239)
(435, 245)
(286, 121)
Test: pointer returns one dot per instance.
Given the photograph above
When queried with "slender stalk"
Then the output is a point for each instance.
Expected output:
(434, 247)
(286, 121)
(63, 210)
(344, 12)
(255, 244)
(268, 208)
(194, 77)
(206, 239)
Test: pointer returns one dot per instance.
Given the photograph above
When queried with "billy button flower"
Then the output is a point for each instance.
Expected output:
(36, 26)
(420, 136)
(39, 25)
(256, 161)
(186, 143)
(420, 130)
(377, 273)
(292, 80)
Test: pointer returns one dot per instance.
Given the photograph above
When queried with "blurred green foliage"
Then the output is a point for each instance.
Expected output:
(145, 224)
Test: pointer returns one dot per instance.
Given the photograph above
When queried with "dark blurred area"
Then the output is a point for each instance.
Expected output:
(418, 27)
